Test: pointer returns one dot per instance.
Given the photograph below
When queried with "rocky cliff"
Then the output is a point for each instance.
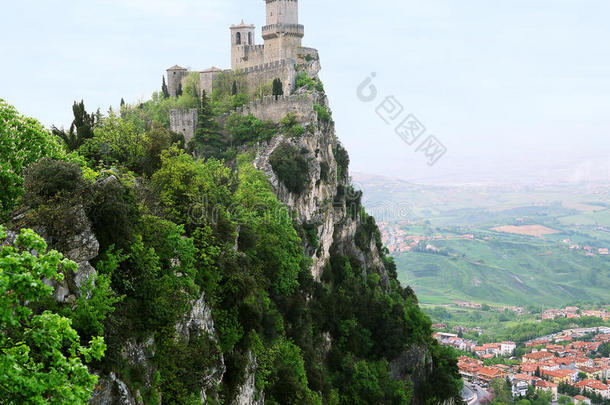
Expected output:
(250, 306)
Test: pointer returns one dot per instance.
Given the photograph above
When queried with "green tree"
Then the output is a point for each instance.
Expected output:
(81, 128)
(290, 166)
(245, 129)
(41, 360)
(208, 140)
(23, 141)
(234, 88)
(164, 89)
(371, 383)
(277, 87)
(116, 141)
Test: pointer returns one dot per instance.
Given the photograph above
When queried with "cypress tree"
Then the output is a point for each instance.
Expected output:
(208, 140)
(164, 89)
(234, 88)
(278, 87)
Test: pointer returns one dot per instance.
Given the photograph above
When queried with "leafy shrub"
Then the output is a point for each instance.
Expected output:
(42, 356)
(303, 80)
(323, 113)
(290, 125)
(49, 178)
(117, 141)
(248, 129)
(55, 190)
(23, 141)
(290, 167)
(113, 213)
(96, 303)
(342, 159)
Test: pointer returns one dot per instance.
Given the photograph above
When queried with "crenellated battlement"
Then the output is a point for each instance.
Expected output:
(274, 108)
(264, 66)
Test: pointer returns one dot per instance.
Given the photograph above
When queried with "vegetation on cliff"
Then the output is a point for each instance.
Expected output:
(174, 229)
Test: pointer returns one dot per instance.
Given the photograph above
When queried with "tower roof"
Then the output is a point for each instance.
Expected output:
(176, 67)
(212, 69)
(242, 24)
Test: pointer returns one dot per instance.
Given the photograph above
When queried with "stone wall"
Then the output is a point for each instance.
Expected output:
(183, 122)
(265, 73)
(276, 108)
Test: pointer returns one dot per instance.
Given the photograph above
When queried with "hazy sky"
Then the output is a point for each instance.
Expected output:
(510, 87)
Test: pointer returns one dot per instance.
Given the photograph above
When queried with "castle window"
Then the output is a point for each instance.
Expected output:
(238, 40)
(249, 38)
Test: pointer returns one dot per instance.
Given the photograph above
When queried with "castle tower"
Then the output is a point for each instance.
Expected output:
(175, 75)
(283, 33)
(244, 52)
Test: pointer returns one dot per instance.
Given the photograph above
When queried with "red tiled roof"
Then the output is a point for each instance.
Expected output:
(597, 385)
(545, 384)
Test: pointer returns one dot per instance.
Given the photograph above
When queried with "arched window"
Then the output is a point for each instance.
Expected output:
(238, 39)
(249, 38)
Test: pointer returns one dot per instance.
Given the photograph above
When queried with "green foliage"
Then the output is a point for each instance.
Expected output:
(278, 252)
(81, 128)
(42, 360)
(303, 80)
(342, 159)
(323, 113)
(604, 349)
(191, 85)
(49, 179)
(290, 125)
(208, 141)
(366, 383)
(23, 141)
(183, 229)
(282, 376)
(192, 192)
(291, 167)
(228, 92)
(96, 302)
(164, 89)
(277, 87)
(263, 89)
(159, 140)
(183, 366)
(113, 213)
(116, 141)
(248, 129)
(55, 191)
(324, 172)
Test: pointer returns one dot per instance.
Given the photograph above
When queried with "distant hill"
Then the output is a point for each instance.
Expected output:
(509, 245)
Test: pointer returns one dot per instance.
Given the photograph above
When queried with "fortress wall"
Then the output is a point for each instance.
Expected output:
(183, 122)
(274, 109)
(245, 56)
(265, 73)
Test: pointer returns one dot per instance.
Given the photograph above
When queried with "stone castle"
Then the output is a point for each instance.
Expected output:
(279, 57)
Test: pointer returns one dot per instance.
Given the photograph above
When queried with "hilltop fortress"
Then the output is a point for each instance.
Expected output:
(280, 56)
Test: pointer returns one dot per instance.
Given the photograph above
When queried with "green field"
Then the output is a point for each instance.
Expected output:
(505, 271)
(500, 268)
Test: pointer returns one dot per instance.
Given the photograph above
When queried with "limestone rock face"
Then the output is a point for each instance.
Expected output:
(414, 364)
(318, 205)
(247, 393)
(198, 322)
(112, 391)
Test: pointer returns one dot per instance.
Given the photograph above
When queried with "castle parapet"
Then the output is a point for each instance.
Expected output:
(274, 30)
(274, 108)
